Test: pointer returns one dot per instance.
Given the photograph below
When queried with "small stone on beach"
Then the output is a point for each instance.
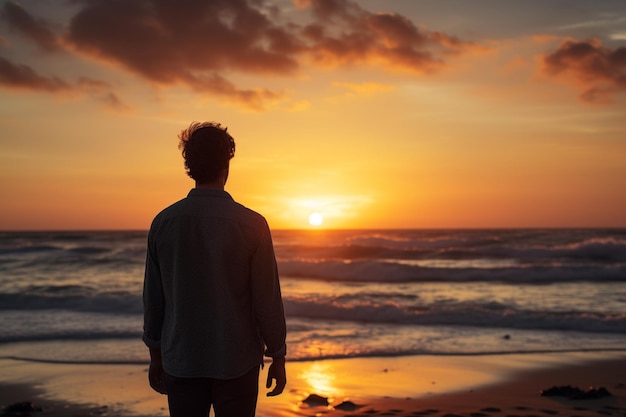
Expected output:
(21, 409)
(315, 400)
(347, 406)
(575, 393)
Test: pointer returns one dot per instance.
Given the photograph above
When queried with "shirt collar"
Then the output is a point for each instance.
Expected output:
(209, 192)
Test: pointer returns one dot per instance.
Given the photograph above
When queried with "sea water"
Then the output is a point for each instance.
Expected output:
(76, 296)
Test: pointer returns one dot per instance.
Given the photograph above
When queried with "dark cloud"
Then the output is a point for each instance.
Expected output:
(600, 69)
(22, 77)
(357, 36)
(36, 30)
(169, 41)
(187, 42)
(18, 76)
(327, 10)
(198, 42)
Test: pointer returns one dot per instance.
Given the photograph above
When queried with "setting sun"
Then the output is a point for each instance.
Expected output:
(315, 219)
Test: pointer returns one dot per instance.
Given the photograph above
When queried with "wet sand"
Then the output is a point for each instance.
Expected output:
(432, 386)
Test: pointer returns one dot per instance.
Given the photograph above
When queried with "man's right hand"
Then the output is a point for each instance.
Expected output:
(278, 373)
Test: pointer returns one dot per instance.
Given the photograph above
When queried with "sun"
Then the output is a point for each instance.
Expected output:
(315, 219)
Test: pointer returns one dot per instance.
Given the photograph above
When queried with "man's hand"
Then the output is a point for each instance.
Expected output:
(276, 372)
(155, 372)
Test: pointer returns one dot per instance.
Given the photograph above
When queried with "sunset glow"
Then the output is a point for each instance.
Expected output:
(500, 115)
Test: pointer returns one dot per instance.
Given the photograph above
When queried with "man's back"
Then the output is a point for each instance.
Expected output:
(215, 262)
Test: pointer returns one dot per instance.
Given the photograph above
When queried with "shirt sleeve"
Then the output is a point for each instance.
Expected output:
(153, 298)
(266, 296)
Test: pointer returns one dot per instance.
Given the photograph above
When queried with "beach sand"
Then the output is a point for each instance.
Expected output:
(432, 386)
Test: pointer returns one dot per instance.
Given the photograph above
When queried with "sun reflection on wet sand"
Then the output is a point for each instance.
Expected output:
(320, 377)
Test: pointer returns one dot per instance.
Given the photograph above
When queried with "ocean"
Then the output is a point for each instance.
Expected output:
(75, 297)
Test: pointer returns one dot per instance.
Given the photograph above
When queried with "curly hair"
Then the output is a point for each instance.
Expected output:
(207, 149)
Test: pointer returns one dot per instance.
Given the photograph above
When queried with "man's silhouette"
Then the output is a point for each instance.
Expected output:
(212, 300)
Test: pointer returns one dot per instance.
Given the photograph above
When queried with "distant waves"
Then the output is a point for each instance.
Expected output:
(76, 296)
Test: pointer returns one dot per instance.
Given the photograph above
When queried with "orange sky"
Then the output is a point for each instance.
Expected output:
(375, 114)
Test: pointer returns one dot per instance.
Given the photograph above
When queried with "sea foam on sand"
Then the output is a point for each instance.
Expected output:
(434, 386)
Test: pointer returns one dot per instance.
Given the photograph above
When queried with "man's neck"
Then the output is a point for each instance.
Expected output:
(215, 185)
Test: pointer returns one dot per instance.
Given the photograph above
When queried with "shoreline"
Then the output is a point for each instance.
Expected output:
(433, 386)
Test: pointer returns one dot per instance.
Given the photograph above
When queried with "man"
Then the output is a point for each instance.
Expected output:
(212, 300)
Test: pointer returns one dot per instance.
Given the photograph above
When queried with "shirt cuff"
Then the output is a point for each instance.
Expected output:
(277, 353)
(151, 343)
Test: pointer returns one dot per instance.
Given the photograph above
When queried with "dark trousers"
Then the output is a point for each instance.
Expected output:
(193, 397)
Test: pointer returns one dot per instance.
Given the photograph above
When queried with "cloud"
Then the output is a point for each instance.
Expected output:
(101, 92)
(22, 77)
(343, 33)
(600, 70)
(255, 99)
(113, 102)
(17, 76)
(165, 41)
(189, 41)
(203, 44)
(36, 30)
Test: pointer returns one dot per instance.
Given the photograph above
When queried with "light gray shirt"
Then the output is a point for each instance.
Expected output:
(212, 300)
